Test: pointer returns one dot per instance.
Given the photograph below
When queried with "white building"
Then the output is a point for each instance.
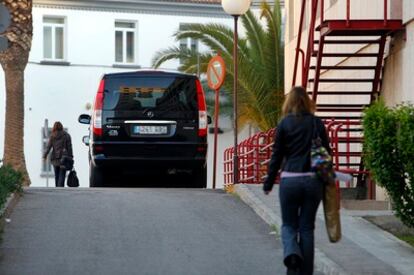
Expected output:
(74, 43)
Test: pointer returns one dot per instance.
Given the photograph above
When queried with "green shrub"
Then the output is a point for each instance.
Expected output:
(389, 154)
(10, 181)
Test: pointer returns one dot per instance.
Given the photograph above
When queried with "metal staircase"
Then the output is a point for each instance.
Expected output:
(341, 66)
(342, 70)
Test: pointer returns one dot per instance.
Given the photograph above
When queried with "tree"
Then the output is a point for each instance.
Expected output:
(14, 61)
(261, 62)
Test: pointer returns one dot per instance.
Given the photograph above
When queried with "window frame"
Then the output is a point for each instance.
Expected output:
(53, 27)
(124, 31)
(46, 170)
(188, 42)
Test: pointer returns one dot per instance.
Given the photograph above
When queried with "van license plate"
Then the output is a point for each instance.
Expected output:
(150, 130)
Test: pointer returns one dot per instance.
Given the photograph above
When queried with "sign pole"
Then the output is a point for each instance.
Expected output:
(216, 118)
(216, 73)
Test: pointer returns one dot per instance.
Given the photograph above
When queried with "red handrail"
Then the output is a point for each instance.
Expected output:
(302, 13)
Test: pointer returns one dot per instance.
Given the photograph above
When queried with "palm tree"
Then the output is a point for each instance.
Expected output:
(14, 61)
(261, 62)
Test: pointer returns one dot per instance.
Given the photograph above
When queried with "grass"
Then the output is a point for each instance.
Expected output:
(275, 231)
(407, 238)
(393, 225)
(234, 194)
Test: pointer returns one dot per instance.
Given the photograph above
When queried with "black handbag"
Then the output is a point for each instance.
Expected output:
(66, 161)
(321, 160)
(73, 180)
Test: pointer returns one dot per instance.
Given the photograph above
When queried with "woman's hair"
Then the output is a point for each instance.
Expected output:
(57, 127)
(297, 101)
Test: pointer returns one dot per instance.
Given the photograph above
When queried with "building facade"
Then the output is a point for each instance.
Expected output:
(396, 86)
(74, 44)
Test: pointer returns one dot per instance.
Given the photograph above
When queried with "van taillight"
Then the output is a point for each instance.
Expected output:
(202, 111)
(97, 110)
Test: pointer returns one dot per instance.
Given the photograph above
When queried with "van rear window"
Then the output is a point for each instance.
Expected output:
(142, 93)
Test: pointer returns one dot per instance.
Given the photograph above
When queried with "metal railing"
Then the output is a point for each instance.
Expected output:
(345, 140)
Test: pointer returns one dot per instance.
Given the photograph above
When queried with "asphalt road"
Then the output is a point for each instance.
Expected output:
(136, 231)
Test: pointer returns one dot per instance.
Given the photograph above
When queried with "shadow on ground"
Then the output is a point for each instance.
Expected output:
(151, 179)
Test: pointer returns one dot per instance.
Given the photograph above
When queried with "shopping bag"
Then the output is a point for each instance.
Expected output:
(332, 215)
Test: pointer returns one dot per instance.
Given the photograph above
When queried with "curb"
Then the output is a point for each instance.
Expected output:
(322, 262)
(8, 207)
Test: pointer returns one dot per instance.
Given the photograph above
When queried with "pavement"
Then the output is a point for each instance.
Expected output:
(364, 248)
(136, 231)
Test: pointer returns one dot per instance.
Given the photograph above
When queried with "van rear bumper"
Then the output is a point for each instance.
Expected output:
(103, 161)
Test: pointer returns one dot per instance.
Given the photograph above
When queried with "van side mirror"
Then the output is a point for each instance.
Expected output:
(84, 119)
(209, 120)
(85, 140)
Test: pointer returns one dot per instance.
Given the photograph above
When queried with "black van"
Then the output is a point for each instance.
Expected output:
(148, 120)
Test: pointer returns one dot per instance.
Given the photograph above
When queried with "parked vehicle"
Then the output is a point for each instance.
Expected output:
(148, 120)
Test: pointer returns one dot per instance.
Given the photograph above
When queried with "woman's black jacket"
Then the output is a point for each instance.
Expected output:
(293, 141)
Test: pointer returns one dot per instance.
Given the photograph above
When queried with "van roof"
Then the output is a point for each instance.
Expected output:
(149, 72)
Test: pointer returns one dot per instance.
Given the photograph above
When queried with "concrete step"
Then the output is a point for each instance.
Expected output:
(365, 205)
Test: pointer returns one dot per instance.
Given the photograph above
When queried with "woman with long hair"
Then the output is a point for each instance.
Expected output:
(61, 144)
(300, 191)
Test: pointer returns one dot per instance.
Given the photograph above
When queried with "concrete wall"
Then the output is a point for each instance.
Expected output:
(398, 84)
(62, 92)
(334, 9)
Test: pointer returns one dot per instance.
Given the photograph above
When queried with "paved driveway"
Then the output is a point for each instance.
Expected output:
(136, 231)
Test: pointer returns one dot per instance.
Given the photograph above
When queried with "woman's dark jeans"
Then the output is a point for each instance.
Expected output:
(60, 176)
(299, 200)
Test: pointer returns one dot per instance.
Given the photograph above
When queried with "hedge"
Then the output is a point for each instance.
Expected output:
(389, 154)
(10, 181)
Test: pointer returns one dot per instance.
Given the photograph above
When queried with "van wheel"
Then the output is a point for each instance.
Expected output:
(200, 177)
(96, 177)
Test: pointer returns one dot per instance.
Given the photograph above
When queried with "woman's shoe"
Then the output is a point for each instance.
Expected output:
(293, 263)
(291, 271)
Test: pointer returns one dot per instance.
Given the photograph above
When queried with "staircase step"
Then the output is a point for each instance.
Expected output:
(344, 93)
(351, 154)
(345, 67)
(338, 108)
(349, 41)
(340, 117)
(355, 80)
(315, 53)
(350, 140)
(343, 110)
(342, 105)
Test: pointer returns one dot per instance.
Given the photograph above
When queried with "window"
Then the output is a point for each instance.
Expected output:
(53, 38)
(187, 43)
(164, 94)
(125, 42)
(333, 2)
(46, 165)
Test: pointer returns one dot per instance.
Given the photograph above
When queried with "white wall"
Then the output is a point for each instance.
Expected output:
(61, 92)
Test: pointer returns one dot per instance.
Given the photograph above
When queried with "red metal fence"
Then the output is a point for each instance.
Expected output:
(345, 140)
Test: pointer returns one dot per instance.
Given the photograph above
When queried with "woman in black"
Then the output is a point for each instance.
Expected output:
(300, 191)
(61, 144)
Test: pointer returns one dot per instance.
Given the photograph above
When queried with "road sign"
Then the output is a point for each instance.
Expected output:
(216, 72)
(5, 18)
(4, 44)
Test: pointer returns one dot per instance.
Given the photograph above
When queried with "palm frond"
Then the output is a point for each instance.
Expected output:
(260, 80)
(170, 53)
